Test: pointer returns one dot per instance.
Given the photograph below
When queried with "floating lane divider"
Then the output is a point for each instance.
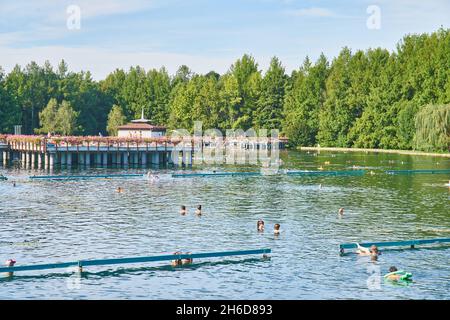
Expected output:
(327, 173)
(298, 173)
(103, 262)
(215, 174)
(410, 243)
(101, 176)
(422, 171)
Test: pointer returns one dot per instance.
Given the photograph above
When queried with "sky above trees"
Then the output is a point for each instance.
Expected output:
(205, 35)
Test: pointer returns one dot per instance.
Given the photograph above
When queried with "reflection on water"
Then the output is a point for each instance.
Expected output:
(54, 221)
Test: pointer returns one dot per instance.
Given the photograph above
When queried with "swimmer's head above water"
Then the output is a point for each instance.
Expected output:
(260, 225)
(276, 228)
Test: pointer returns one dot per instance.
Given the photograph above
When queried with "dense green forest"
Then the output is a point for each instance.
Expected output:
(371, 99)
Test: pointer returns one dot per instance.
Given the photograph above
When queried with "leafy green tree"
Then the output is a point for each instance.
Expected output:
(303, 101)
(116, 118)
(66, 119)
(433, 128)
(269, 106)
(58, 118)
(248, 78)
(10, 111)
(48, 118)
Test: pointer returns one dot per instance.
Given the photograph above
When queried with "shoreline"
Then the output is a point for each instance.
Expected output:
(405, 152)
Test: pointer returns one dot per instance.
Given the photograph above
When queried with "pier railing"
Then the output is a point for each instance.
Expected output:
(39, 143)
(75, 143)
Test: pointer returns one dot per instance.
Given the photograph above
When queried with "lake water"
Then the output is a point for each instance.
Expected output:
(50, 221)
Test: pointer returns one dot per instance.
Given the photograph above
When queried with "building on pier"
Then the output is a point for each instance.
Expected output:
(141, 128)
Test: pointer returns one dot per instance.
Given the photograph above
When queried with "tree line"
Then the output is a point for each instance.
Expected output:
(370, 99)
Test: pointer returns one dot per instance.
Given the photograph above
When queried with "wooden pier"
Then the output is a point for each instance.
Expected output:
(48, 152)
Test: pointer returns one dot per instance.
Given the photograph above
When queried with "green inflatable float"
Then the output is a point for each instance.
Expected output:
(400, 276)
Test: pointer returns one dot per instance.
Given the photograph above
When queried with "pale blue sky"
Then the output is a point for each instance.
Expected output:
(203, 34)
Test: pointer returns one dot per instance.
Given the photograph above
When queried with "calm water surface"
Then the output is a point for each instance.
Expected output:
(49, 221)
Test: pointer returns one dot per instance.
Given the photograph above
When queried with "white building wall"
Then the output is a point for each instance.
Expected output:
(139, 134)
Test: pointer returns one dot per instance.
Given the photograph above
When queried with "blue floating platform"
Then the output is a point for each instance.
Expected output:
(405, 243)
(81, 177)
(326, 173)
(117, 261)
(420, 171)
(215, 174)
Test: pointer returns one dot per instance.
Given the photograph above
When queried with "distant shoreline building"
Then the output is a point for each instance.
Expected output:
(141, 128)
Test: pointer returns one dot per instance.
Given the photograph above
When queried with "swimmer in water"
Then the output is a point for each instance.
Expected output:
(14, 183)
(152, 177)
(119, 190)
(260, 225)
(393, 277)
(187, 261)
(177, 262)
(341, 212)
(10, 263)
(276, 229)
(373, 252)
(183, 210)
(198, 211)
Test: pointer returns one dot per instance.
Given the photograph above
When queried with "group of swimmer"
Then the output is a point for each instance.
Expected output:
(374, 252)
(198, 210)
(180, 262)
(260, 227)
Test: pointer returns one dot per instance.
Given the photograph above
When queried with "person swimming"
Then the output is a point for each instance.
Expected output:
(10, 263)
(152, 177)
(341, 212)
(276, 229)
(177, 262)
(260, 225)
(396, 275)
(188, 260)
(119, 190)
(198, 211)
(183, 210)
(372, 251)
(391, 275)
